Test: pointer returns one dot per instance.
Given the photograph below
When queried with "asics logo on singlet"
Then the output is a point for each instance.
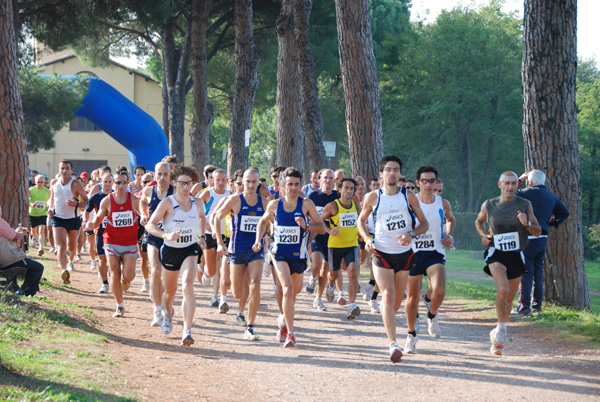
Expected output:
(507, 237)
(244, 207)
(394, 217)
(297, 214)
(287, 230)
(425, 236)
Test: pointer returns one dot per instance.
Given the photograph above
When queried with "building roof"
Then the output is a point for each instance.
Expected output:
(131, 70)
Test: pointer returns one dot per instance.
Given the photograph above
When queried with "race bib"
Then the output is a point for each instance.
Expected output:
(507, 241)
(319, 209)
(348, 220)
(104, 222)
(39, 205)
(122, 219)
(288, 235)
(249, 223)
(424, 242)
(393, 222)
(186, 235)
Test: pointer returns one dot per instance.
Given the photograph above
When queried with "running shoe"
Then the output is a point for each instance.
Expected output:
(410, 346)
(167, 324)
(395, 352)
(427, 301)
(125, 285)
(77, 257)
(318, 304)
(311, 285)
(368, 292)
(52, 250)
(70, 266)
(266, 269)
(94, 265)
(434, 327)
(145, 286)
(214, 301)
(85, 248)
(498, 339)
(119, 312)
(330, 293)
(290, 341)
(206, 280)
(418, 324)
(103, 288)
(353, 311)
(186, 338)
(374, 306)
(523, 312)
(282, 331)
(250, 335)
(40, 252)
(157, 319)
(342, 299)
(65, 276)
(241, 320)
(223, 307)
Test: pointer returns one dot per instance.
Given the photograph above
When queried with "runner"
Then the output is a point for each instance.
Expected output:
(290, 247)
(183, 221)
(64, 212)
(151, 197)
(245, 265)
(136, 187)
(430, 255)
(38, 211)
(510, 220)
(120, 236)
(342, 216)
(91, 209)
(393, 258)
(313, 185)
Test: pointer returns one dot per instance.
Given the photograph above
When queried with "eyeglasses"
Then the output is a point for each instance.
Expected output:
(185, 183)
(432, 181)
(146, 182)
(274, 176)
(410, 187)
(120, 182)
(239, 183)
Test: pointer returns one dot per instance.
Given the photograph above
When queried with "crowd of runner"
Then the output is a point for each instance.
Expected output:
(230, 233)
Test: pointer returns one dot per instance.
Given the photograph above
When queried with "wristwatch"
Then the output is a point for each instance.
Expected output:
(412, 234)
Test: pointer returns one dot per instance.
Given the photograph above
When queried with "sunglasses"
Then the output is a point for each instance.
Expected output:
(185, 183)
(410, 187)
(146, 182)
(239, 183)
(425, 181)
(121, 182)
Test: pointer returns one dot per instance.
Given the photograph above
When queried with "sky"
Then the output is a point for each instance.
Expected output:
(588, 29)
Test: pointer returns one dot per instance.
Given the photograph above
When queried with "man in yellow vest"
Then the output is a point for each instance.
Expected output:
(343, 239)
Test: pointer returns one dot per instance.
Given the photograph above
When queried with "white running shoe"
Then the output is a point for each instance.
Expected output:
(214, 301)
(330, 293)
(266, 269)
(434, 327)
(427, 303)
(353, 311)
(167, 324)
(206, 280)
(410, 347)
(342, 299)
(77, 257)
(223, 307)
(374, 306)
(395, 352)
(70, 266)
(104, 288)
(94, 265)
(318, 304)
(52, 250)
(186, 338)
(250, 335)
(145, 286)
(498, 339)
(368, 292)
(311, 285)
(85, 248)
(157, 319)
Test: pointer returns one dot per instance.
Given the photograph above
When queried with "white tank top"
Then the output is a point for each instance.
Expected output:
(212, 203)
(61, 194)
(185, 221)
(432, 240)
(391, 217)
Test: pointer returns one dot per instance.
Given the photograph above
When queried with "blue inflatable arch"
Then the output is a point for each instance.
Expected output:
(124, 121)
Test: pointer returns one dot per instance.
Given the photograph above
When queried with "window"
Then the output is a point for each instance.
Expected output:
(82, 124)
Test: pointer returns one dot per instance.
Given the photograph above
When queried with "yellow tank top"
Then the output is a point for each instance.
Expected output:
(345, 220)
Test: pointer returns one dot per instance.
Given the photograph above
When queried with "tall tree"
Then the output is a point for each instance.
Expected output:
(290, 137)
(312, 122)
(14, 160)
(550, 136)
(246, 84)
(361, 86)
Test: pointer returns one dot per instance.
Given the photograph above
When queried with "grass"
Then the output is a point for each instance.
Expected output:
(49, 349)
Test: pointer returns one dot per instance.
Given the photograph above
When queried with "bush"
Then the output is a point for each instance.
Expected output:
(591, 242)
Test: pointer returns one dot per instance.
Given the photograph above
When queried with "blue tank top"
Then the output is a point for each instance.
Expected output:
(291, 241)
(243, 226)
(321, 200)
(154, 201)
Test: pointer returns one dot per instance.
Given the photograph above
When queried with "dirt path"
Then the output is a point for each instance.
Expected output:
(336, 359)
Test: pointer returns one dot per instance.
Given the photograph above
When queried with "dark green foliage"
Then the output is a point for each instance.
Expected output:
(465, 235)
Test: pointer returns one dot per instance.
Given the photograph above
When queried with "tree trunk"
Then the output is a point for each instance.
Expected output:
(203, 113)
(175, 67)
(550, 135)
(361, 86)
(312, 121)
(246, 84)
(14, 160)
(290, 138)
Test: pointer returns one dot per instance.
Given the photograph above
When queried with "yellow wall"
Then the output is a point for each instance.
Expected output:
(144, 92)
